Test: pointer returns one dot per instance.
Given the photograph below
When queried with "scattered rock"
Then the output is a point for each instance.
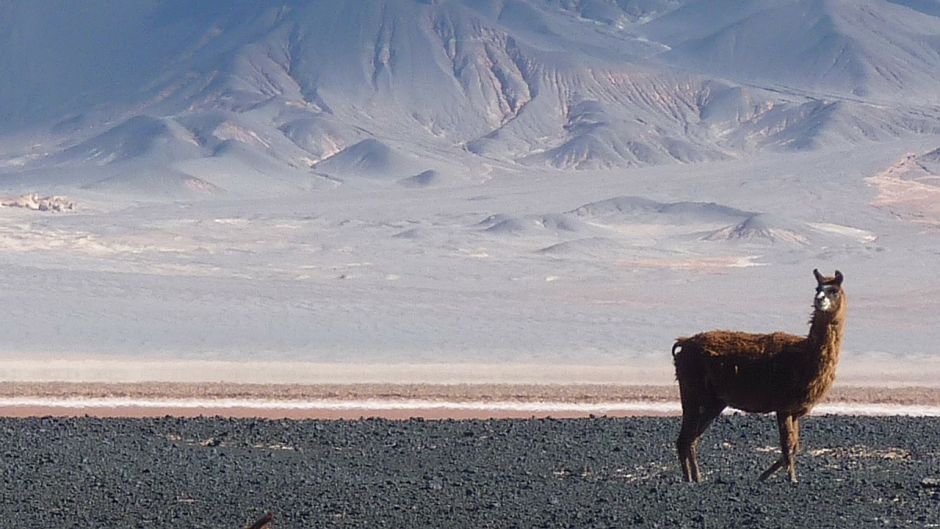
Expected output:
(930, 483)
(435, 484)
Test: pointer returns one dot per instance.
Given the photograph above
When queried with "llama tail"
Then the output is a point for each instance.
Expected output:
(679, 358)
(683, 348)
(677, 347)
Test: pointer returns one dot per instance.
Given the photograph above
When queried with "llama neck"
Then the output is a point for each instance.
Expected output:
(824, 343)
(825, 337)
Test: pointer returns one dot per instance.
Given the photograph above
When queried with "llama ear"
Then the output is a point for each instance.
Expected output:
(839, 278)
(819, 277)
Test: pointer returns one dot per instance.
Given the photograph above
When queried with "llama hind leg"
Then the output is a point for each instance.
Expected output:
(695, 420)
(685, 448)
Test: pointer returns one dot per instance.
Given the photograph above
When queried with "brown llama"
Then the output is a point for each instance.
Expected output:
(760, 373)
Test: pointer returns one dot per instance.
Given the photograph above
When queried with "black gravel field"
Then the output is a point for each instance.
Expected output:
(218, 473)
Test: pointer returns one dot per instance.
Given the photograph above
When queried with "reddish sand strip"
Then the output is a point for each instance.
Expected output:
(299, 414)
(564, 393)
(429, 413)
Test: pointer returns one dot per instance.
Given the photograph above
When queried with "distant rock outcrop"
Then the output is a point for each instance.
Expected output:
(910, 188)
(37, 203)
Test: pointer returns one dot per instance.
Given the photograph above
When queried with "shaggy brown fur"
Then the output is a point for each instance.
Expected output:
(759, 373)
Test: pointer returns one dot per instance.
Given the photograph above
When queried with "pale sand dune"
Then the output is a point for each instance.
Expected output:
(248, 372)
(853, 371)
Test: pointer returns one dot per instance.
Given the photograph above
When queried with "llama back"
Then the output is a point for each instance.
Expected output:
(743, 346)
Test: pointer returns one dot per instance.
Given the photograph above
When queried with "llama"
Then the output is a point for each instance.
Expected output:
(759, 373)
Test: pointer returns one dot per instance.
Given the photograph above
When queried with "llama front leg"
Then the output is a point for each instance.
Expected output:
(794, 441)
(788, 426)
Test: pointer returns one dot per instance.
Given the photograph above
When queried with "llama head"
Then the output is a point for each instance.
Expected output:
(829, 296)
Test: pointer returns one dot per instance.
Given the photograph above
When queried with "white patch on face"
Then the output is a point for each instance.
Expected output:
(823, 301)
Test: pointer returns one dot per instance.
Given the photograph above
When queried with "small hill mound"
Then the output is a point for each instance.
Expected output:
(633, 209)
(140, 138)
(931, 161)
(320, 137)
(155, 183)
(372, 159)
(423, 179)
(760, 228)
(513, 226)
(589, 247)
(552, 223)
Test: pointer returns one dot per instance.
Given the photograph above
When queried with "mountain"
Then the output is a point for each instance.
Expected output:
(877, 50)
(269, 97)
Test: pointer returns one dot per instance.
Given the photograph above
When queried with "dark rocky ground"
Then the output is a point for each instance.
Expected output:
(223, 473)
